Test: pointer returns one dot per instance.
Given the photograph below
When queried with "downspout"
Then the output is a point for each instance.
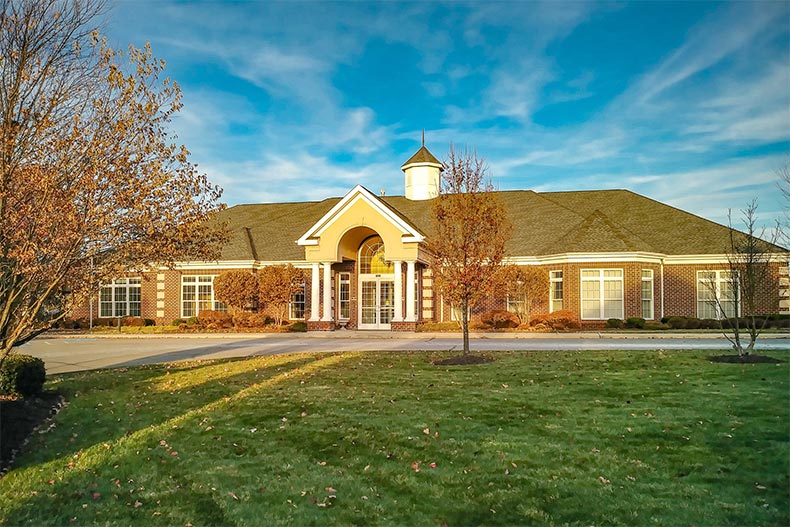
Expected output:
(662, 288)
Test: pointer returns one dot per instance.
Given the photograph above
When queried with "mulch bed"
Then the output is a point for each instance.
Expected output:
(464, 360)
(19, 418)
(744, 359)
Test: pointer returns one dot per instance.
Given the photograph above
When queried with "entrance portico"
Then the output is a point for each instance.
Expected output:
(360, 248)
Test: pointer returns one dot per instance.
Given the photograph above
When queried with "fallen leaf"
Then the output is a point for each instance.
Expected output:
(137, 504)
(426, 431)
(415, 466)
(96, 496)
(433, 465)
(603, 480)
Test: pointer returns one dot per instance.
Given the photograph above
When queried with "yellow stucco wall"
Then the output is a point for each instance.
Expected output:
(346, 232)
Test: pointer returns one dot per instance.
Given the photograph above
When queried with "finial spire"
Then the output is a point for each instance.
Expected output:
(423, 137)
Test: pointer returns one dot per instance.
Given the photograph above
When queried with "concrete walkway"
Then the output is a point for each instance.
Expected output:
(68, 353)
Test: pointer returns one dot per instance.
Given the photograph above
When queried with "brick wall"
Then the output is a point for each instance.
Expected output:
(680, 296)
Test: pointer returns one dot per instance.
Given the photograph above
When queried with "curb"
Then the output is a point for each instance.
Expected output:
(384, 335)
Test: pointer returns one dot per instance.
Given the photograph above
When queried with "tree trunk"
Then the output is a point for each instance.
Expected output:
(465, 323)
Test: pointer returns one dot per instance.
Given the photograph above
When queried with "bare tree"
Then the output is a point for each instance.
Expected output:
(746, 286)
(277, 285)
(525, 285)
(470, 231)
(88, 170)
(783, 224)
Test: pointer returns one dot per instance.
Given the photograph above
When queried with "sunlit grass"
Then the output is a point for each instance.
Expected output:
(387, 438)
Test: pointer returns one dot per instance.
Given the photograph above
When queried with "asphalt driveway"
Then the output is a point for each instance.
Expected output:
(90, 352)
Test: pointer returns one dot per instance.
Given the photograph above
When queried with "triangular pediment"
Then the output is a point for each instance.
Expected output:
(346, 211)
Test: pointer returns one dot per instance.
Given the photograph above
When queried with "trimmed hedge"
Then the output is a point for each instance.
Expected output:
(499, 318)
(22, 375)
(635, 322)
(558, 320)
(614, 323)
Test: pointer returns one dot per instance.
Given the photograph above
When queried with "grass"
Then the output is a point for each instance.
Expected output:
(579, 438)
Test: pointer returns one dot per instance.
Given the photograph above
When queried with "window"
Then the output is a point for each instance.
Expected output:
(344, 295)
(296, 305)
(121, 298)
(197, 294)
(555, 291)
(712, 285)
(602, 294)
(372, 259)
(647, 294)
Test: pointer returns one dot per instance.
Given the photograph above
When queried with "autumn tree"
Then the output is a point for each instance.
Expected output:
(738, 294)
(525, 286)
(238, 289)
(277, 284)
(470, 230)
(91, 183)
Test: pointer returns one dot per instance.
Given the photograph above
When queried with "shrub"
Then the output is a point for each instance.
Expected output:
(177, 322)
(693, 323)
(192, 321)
(614, 323)
(478, 325)
(241, 319)
(709, 323)
(259, 320)
(676, 322)
(22, 375)
(134, 322)
(635, 322)
(656, 326)
(499, 318)
(558, 321)
(215, 319)
(298, 326)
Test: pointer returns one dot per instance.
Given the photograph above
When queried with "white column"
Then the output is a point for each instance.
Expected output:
(314, 292)
(398, 316)
(327, 292)
(410, 291)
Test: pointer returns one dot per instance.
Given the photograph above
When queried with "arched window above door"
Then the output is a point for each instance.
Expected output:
(372, 258)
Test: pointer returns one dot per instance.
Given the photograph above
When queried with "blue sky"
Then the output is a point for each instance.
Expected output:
(686, 103)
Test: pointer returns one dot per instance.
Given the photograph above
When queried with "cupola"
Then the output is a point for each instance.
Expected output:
(423, 174)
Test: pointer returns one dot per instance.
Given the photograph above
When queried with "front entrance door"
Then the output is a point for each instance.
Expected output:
(377, 306)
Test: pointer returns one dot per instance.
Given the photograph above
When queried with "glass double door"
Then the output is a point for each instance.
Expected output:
(377, 302)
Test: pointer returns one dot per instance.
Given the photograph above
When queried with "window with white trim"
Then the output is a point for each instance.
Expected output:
(296, 305)
(647, 294)
(713, 285)
(344, 295)
(602, 294)
(121, 298)
(555, 291)
(197, 294)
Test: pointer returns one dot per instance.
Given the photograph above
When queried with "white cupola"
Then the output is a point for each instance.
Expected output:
(423, 175)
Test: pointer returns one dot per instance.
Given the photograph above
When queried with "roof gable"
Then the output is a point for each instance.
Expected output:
(360, 193)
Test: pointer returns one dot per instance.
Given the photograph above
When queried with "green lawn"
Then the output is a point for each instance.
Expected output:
(615, 438)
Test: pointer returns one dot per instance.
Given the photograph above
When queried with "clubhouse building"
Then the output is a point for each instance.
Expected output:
(607, 254)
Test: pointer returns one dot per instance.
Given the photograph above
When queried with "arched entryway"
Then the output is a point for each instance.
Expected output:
(376, 279)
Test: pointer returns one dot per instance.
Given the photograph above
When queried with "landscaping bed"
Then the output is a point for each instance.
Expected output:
(617, 438)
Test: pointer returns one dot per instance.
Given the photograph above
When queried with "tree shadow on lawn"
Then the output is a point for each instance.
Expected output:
(110, 410)
(99, 469)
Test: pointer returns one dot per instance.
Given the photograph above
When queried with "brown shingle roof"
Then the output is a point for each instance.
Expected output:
(602, 221)
(423, 155)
